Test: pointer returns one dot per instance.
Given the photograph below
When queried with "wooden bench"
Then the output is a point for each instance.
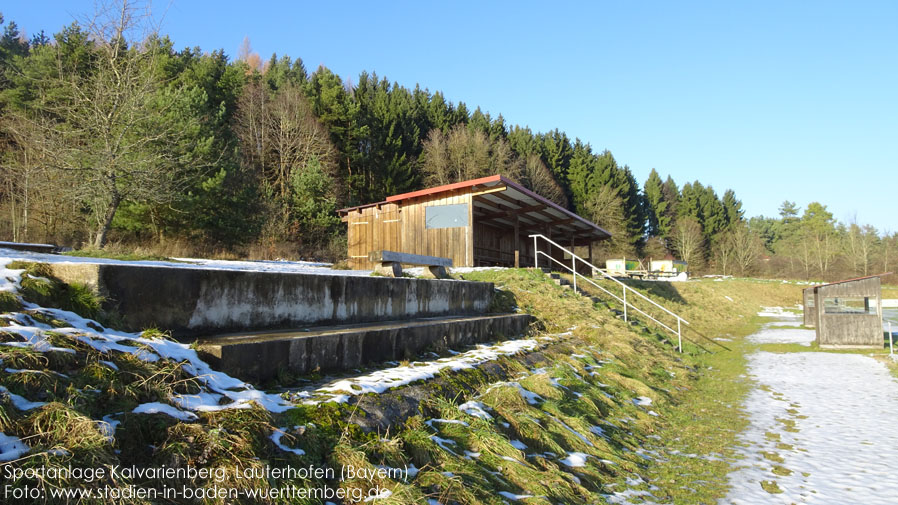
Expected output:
(389, 263)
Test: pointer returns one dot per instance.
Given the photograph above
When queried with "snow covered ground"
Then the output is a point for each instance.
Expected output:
(821, 428)
(303, 267)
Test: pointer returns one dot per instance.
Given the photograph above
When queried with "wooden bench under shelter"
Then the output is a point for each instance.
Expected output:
(389, 263)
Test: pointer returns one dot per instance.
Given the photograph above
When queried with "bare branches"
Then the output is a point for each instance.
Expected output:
(279, 134)
(688, 240)
(113, 125)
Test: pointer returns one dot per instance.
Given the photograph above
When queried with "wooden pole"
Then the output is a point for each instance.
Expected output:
(517, 241)
(591, 261)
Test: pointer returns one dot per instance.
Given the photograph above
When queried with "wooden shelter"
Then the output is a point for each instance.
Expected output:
(480, 222)
(809, 304)
(846, 313)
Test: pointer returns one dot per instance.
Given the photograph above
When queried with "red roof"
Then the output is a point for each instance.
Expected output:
(514, 190)
(852, 280)
(447, 187)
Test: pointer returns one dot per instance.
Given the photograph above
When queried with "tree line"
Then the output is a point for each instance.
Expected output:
(109, 133)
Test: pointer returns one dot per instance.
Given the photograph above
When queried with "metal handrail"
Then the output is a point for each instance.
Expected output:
(573, 269)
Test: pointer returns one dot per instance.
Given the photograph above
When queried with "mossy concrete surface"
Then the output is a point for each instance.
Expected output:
(261, 356)
(194, 301)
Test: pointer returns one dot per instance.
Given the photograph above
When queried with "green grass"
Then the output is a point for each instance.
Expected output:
(9, 302)
(41, 287)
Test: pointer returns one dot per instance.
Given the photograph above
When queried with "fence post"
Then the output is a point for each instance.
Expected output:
(574, 271)
(891, 340)
(535, 254)
(679, 337)
(625, 304)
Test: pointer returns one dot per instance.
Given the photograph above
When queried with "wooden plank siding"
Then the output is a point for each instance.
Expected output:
(371, 229)
(454, 243)
(845, 329)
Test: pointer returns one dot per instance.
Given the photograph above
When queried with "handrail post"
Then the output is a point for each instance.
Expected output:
(625, 304)
(606, 275)
(679, 337)
(535, 255)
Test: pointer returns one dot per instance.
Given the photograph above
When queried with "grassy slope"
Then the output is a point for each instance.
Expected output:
(586, 377)
(691, 459)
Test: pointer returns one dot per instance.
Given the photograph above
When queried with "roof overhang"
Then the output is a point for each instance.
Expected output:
(850, 280)
(502, 202)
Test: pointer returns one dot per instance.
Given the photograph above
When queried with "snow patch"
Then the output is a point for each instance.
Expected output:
(20, 402)
(514, 497)
(840, 411)
(108, 426)
(475, 409)
(444, 443)
(11, 447)
(575, 459)
(382, 380)
(642, 401)
(276, 438)
(445, 421)
(783, 336)
(163, 408)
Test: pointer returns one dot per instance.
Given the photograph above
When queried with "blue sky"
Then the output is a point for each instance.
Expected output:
(776, 100)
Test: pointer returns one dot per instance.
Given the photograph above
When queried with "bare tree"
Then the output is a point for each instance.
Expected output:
(688, 240)
(606, 208)
(724, 252)
(463, 154)
(279, 133)
(746, 247)
(869, 237)
(115, 126)
(283, 143)
(537, 176)
(296, 136)
(888, 248)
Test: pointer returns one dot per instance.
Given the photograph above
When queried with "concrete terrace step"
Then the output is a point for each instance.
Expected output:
(260, 355)
(189, 301)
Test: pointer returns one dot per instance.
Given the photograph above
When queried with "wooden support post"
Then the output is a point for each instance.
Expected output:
(517, 241)
(573, 260)
(591, 261)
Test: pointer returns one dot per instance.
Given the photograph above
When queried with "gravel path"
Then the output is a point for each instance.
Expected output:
(822, 428)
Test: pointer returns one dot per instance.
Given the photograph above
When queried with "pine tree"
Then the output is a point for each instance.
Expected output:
(556, 151)
(671, 195)
(732, 209)
(655, 204)
(634, 207)
(338, 112)
(580, 180)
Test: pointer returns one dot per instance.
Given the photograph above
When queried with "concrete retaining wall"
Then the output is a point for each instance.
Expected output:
(191, 301)
(261, 359)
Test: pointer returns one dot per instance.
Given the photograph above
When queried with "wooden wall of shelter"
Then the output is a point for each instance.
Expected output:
(400, 227)
(849, 314)
(456, 243)
(371, 229)
(482, 222)
(809, 307)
